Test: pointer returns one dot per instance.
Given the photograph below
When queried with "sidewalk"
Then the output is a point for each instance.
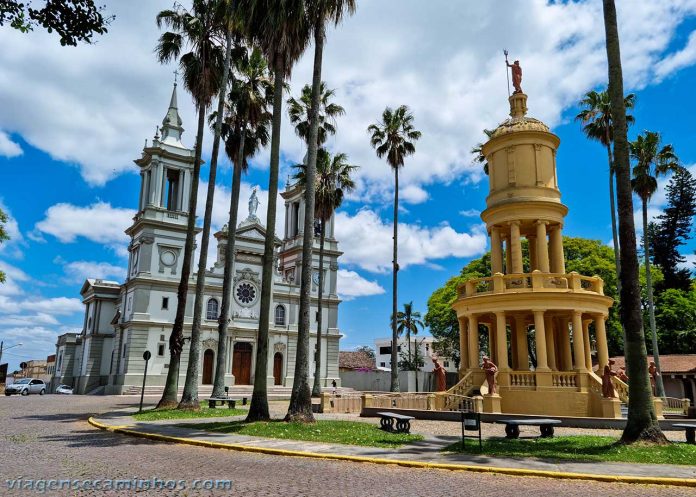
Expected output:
(426, 453)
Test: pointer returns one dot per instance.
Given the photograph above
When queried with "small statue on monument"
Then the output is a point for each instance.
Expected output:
(253, 204)
(516, 73)
(490, 370)
(622, 374)
(440, 376)
(607, 387)
(652, 371)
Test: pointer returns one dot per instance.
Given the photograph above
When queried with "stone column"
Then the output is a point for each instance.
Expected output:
(496, 251)
(557, 258)
(473, 348)
(508, 256)
(540, 339)
(522, 344)
(602, 349)
(578, 342)
(516, 245)
(550, 343)
(492, 354)
(513, 342)
(542, 250)
(564, 339)
(586, 343)
(531, 243)
(501, 341)
(463, 347)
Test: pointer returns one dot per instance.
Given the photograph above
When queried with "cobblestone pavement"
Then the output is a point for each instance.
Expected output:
(48, 437)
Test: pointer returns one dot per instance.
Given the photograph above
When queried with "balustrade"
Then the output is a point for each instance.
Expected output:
(531, 282)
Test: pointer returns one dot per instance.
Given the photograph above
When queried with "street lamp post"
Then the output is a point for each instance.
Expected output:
(6, 348)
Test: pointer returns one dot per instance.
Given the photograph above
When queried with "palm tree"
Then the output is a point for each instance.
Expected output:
(598, 125)
(332, 182)
(653, 161)
(245, 131)
(408, 321)
(279, 29)
(299, 111)
(478, 151)
(641, 423)
(393, 137)
(319, 13)
(195, 30)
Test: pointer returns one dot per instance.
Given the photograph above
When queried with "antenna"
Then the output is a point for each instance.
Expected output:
(507, 73)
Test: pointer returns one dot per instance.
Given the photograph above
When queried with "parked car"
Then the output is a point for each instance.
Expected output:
(64, 389)
(25, 386)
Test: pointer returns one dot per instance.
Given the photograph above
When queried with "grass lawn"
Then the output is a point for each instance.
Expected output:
(582, 448)
(342, 432)
(205, 412)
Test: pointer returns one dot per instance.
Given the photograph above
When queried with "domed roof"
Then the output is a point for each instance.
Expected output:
(518, 120)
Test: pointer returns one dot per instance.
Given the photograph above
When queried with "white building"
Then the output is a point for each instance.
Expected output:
(425, 347)
(122, 320)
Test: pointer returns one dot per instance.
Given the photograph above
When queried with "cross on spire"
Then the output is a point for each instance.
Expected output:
(176, 75)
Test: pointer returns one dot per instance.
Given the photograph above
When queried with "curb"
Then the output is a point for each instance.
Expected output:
(644, 480)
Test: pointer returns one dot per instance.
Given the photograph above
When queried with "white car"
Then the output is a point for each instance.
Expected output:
(64, 389)
(25, 386)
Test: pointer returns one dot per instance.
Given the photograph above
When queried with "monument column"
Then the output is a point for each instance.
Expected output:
(496, 251)
(508, 255)
(473, 347)
(522, 344)
(463, 349)
(516, 244)
(550, 342)
(501, 341)
(533, 262)
(557, 259)
(586, 343)
(542, 250)
(540, 339)
(602, 349)
(492, 353)
(578, 342)
(564, 339)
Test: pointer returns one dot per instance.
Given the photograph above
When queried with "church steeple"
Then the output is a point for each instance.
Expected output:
(171, 124)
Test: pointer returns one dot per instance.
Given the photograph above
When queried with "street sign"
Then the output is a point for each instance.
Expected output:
(147, 355)
(22, 365)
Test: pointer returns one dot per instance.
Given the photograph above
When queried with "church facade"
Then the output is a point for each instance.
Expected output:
(123, 320)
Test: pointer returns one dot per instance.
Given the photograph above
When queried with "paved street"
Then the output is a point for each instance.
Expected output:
(49, 438)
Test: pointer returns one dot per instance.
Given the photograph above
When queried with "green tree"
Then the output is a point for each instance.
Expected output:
(673, 229)
(3, 237)
(367, 350)
(408, 321)
(75, 21)
(676, 321)
(598, 125)
(279, 29)
(394, 137)
(196, 30)
(299, 110)
(653, 161)
(641, 423)
(245, 131)
(319, 13)
(332, 182)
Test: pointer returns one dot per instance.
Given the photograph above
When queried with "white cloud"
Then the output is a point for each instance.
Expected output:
(14, 246)
(366, 242)
(470, 213)
(351, 285)
(14, 277)
(99, 222)
(677, 60)
(689, 262)
(8, 148)
(78, 271)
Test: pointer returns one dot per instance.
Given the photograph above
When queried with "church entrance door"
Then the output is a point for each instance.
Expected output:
(278, 368)
(208, 359)
(241, 363)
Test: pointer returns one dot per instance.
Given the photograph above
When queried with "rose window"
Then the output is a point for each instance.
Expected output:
(246, 293)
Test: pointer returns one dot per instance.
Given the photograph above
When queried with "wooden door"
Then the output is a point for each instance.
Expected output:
(278, 368)
(208, 358)
(241, 363)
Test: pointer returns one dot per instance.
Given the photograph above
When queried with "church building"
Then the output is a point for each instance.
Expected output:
(123, 320)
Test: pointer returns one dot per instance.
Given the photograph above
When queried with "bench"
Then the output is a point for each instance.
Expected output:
(231, 403)
(403, 423)
(690, 431)
(512, 426)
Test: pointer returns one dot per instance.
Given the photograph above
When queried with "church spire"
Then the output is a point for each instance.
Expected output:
(171, 124)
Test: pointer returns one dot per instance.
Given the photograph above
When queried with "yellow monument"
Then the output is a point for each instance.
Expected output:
(556, 307)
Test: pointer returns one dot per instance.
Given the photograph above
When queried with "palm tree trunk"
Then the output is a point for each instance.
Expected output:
(300, 408)
(176, 339)
(316, 388)
(659, 386)
(395, 268)
(410, 358)
(258, 410)
(641, 422)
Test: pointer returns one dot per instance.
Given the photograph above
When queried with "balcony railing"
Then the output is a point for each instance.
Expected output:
(531, 282)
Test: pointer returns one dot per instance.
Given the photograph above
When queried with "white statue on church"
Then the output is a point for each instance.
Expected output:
(253, 204)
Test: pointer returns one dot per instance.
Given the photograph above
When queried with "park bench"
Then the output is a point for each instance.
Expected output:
(690, 431)
(231, 403)
(403, 423)
(512, 426)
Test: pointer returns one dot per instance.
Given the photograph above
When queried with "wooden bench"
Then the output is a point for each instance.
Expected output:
(231, 403)
(690, 431)
(403, 423)
(512, 426)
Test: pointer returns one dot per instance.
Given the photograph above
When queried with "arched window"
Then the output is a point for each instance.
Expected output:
(212, 311)
(280, 315)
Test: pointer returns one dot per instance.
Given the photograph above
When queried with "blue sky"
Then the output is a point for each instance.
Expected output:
(73, 119)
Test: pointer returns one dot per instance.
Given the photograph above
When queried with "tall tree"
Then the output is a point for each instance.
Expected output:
(3, 237)
(319, 13)
(279, 28)
(394, 137)
(642, 422)
(652, 161)
(408, 321)
(245, 131)
(598, 125)
(332, 182)
(673, 229)
(194, 30)
(75, 21)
